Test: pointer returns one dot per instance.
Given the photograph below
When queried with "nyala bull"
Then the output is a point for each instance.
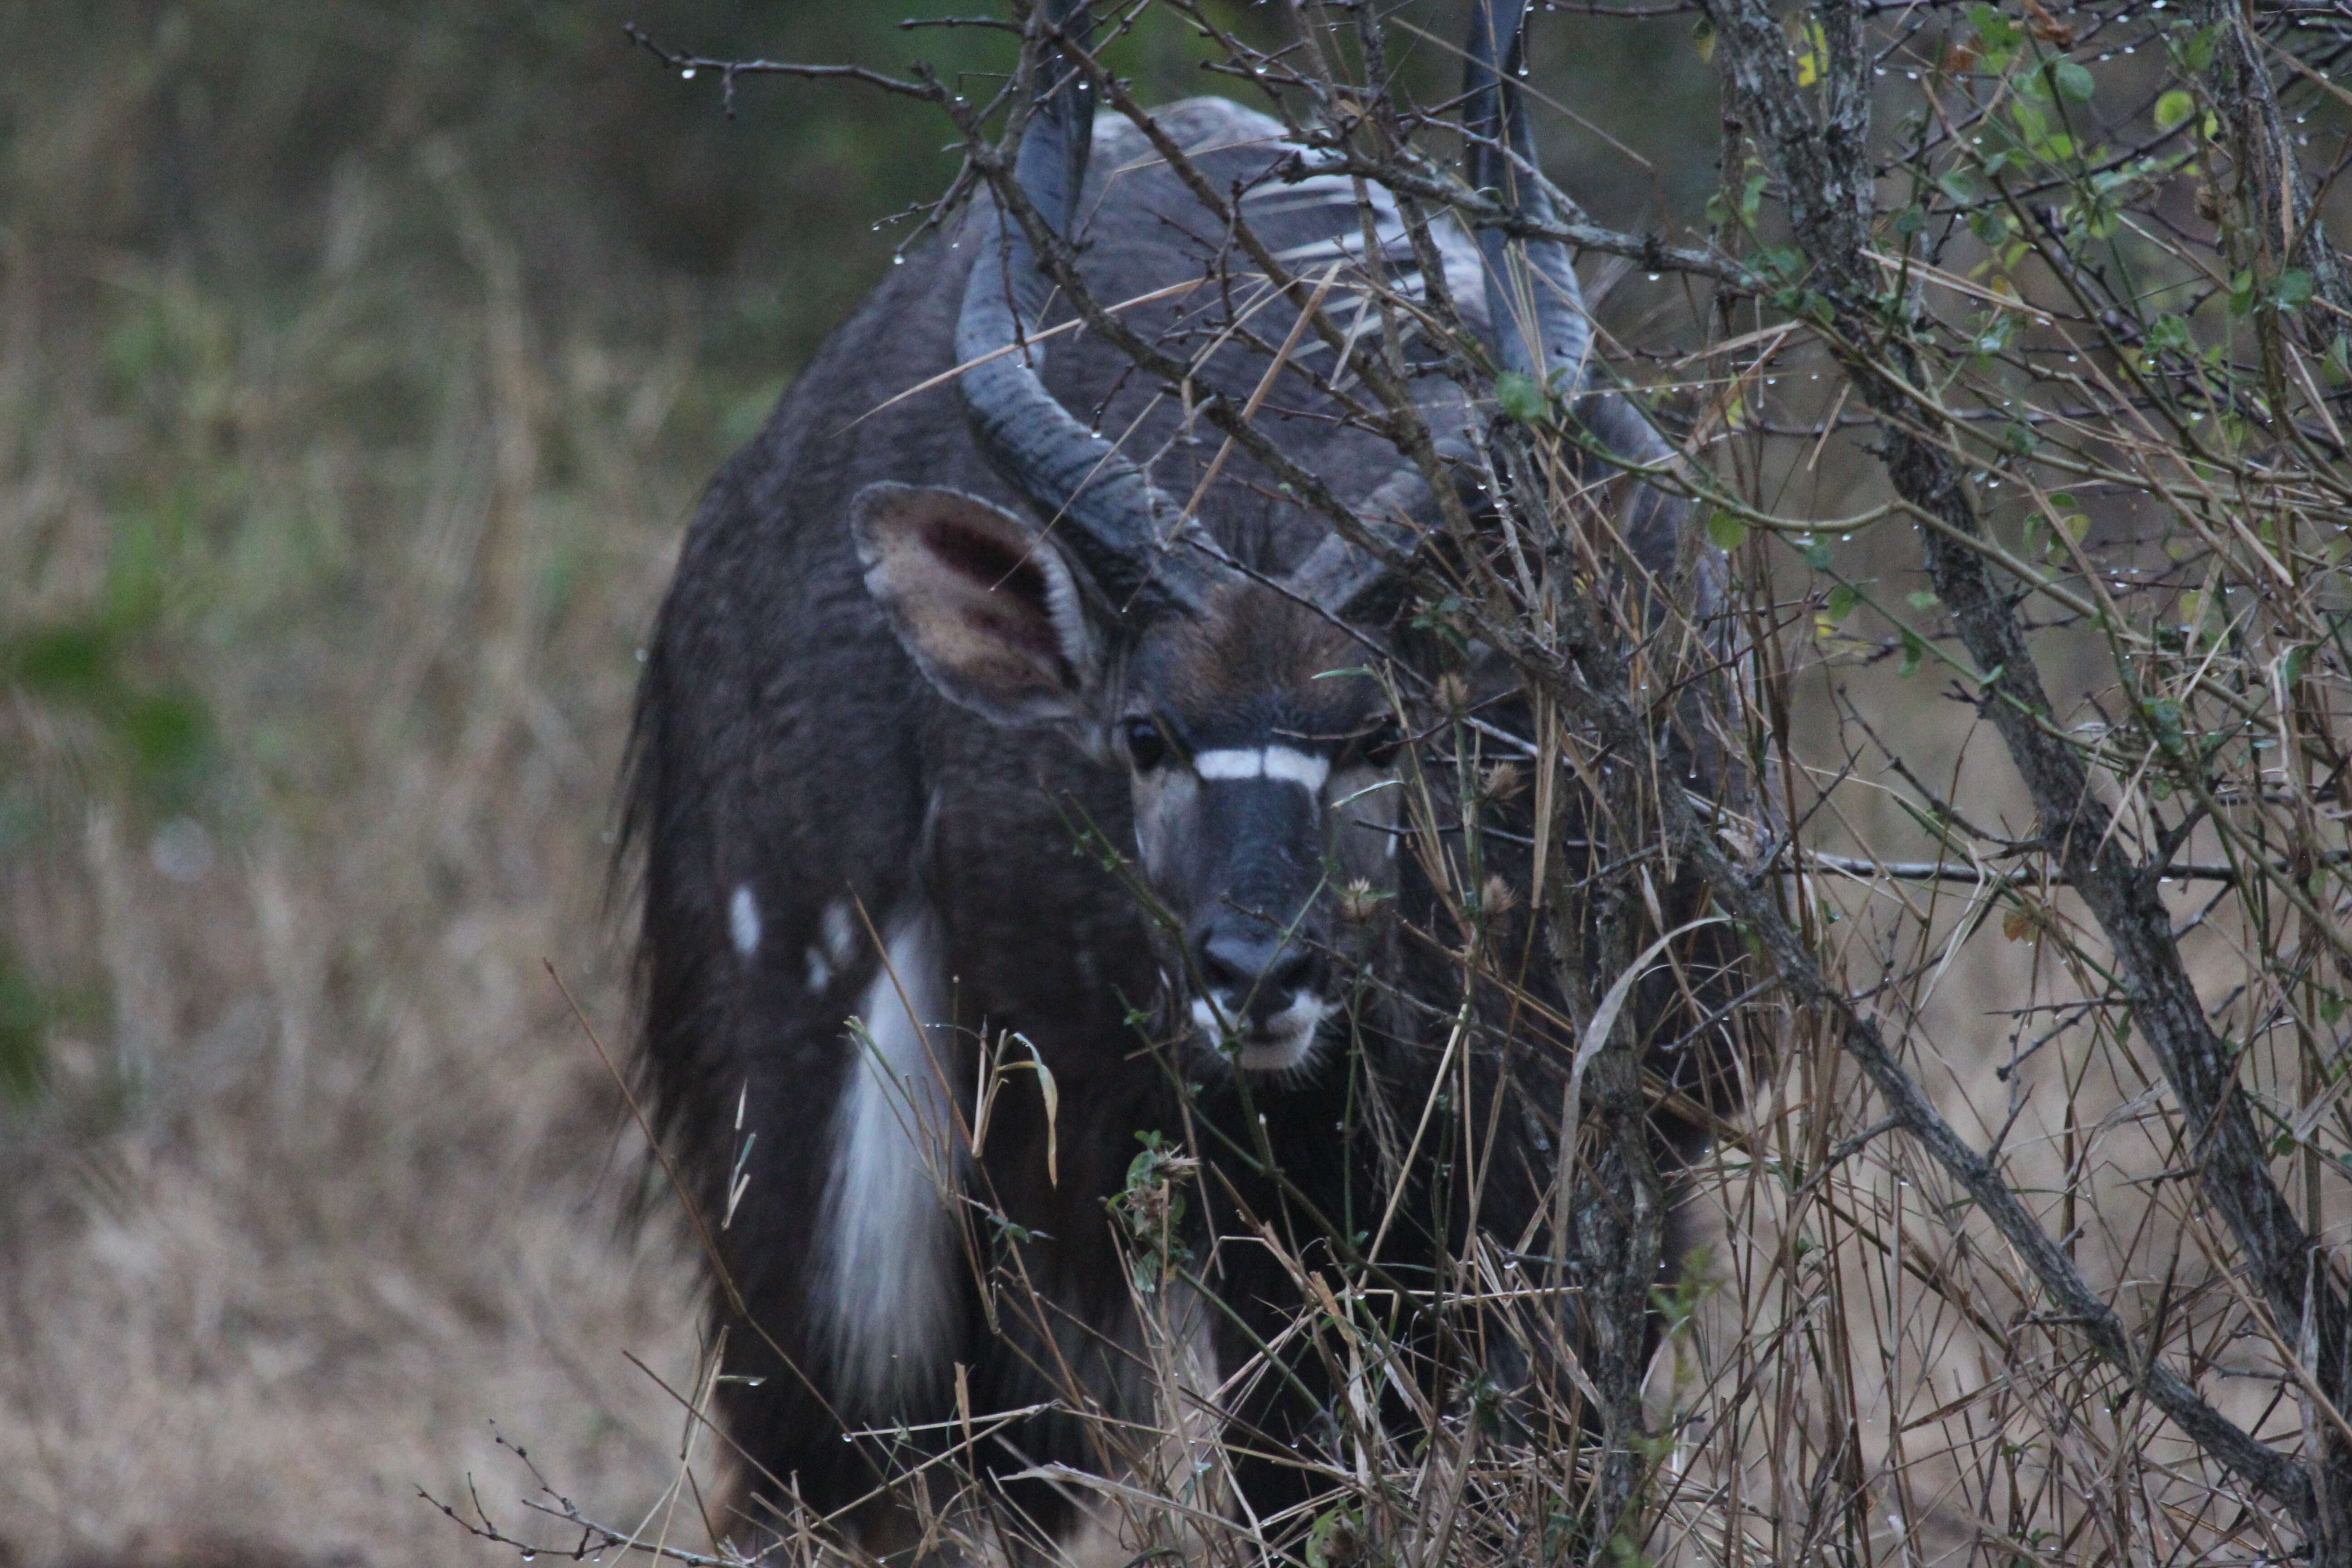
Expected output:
(1013, 732)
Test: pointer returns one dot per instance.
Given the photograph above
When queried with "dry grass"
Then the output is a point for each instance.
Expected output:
(359, 368)
(325, 1179)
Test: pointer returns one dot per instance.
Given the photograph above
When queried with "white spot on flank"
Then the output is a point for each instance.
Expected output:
(840, 933)
(1300, 768)
(744, 919)
(839, 945)
(887, 1291)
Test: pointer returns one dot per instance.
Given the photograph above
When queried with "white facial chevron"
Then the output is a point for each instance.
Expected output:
(1300, 768)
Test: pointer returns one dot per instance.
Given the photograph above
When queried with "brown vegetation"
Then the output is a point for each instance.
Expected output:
(356, 374)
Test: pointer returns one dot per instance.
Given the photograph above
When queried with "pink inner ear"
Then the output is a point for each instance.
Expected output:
(1029, 635)
(991, 562)
(1007, 584)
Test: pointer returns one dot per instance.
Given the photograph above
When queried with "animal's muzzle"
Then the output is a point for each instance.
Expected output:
(1255, 973)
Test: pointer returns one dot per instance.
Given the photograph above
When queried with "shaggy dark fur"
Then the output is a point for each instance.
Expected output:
(784, 741)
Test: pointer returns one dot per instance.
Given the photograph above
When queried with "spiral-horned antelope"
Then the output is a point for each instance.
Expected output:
(1003, 712)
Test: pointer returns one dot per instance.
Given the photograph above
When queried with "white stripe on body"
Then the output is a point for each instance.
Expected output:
(744, 919)
(1301, 768)
(887, 1291)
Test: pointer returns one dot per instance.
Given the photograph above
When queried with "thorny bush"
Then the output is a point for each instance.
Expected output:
(2010, 370)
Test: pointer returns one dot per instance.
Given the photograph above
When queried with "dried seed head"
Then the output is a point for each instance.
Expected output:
(1454, 695)
(1343, 1541)
(1502, 781)
(1359, 902)
(1497, 897)
(1146, 1209)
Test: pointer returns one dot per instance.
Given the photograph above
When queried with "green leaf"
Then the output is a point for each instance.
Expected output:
(22, 1020)
(2173, 109)
(1997, 31)
(2197, 53)
(1915, 649)
(73, 663)
(2164, 720)
(1910, 220)
(2095, 218)
(1521, 397)
(1841, 601)
(2294, 289)
(1726, 531)
(1817, 556)
(2075, 81)
(1923, 599)
(169, 737)
(1955, 183)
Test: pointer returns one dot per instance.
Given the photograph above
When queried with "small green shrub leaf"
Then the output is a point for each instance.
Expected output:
(1521, 397)
(1915, 650)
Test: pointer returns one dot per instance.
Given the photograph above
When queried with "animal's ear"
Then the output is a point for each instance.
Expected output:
(992, 613)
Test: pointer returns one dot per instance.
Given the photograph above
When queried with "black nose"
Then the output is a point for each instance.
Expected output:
(1254, 969)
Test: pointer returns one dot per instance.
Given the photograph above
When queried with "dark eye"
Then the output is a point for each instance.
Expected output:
(1147, 747)
(1380, 745)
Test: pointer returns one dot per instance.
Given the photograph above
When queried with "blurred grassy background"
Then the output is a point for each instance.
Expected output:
(360, 365)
